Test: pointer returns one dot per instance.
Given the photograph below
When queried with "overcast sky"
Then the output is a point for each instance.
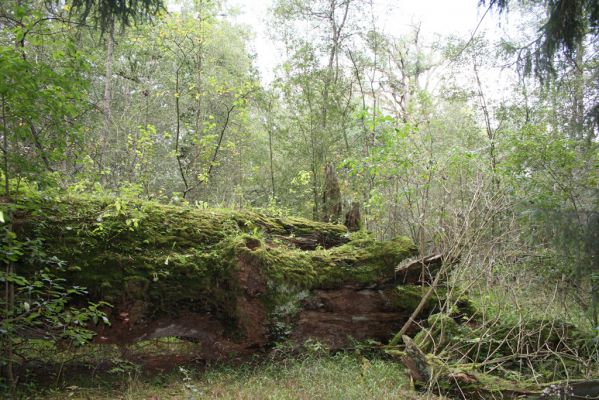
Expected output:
(437, 17)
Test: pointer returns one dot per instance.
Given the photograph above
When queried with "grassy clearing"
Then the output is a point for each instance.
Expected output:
(340, 376)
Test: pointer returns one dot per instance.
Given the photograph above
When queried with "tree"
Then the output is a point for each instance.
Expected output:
(177, 80)
(106, 13)
(43, 93)
(567, 25)
(315, 82)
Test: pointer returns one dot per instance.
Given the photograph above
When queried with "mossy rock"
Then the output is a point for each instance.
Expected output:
(176, 258)
(409, 297)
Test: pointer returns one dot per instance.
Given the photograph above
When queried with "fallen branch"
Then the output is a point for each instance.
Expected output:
(469, 381)
(427, 265)
(418, 270)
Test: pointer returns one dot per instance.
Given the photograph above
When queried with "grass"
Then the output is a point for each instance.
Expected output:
(339, 376)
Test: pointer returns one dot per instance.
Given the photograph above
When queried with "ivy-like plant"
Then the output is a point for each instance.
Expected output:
(39, 305)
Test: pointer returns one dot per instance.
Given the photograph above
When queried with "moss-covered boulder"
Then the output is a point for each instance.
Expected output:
(216, 275)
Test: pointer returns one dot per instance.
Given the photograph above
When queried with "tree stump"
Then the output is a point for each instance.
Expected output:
(353, 218)
(331, 198)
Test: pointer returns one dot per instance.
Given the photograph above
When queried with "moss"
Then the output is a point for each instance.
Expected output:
(465, 308)
(409, 296)
(442, 330)
(176, 257)
(360, 261)
(136, 287)
(495, 385)
(443, 321)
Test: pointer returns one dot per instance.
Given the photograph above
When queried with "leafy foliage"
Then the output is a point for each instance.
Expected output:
(43, 309)
(39, 304)
(104, 13)
(43, 92)
(568, 25)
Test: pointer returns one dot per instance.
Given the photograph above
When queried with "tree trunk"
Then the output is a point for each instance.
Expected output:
(106, 109)
(331, 199)
(335, 286)
(577, 119)
(272, 169)
(5, 148)
(178, 155)
(353, 218)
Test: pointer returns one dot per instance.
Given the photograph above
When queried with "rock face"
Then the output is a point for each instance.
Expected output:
(233, 281)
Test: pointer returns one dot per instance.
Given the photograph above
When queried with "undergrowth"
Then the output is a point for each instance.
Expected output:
(307, 376)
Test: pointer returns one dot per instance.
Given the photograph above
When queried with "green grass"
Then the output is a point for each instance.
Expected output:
(340, 376)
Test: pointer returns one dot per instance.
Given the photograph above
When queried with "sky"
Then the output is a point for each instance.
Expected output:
(396, 17)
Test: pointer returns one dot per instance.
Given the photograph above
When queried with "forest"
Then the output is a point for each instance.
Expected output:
(378, 212)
